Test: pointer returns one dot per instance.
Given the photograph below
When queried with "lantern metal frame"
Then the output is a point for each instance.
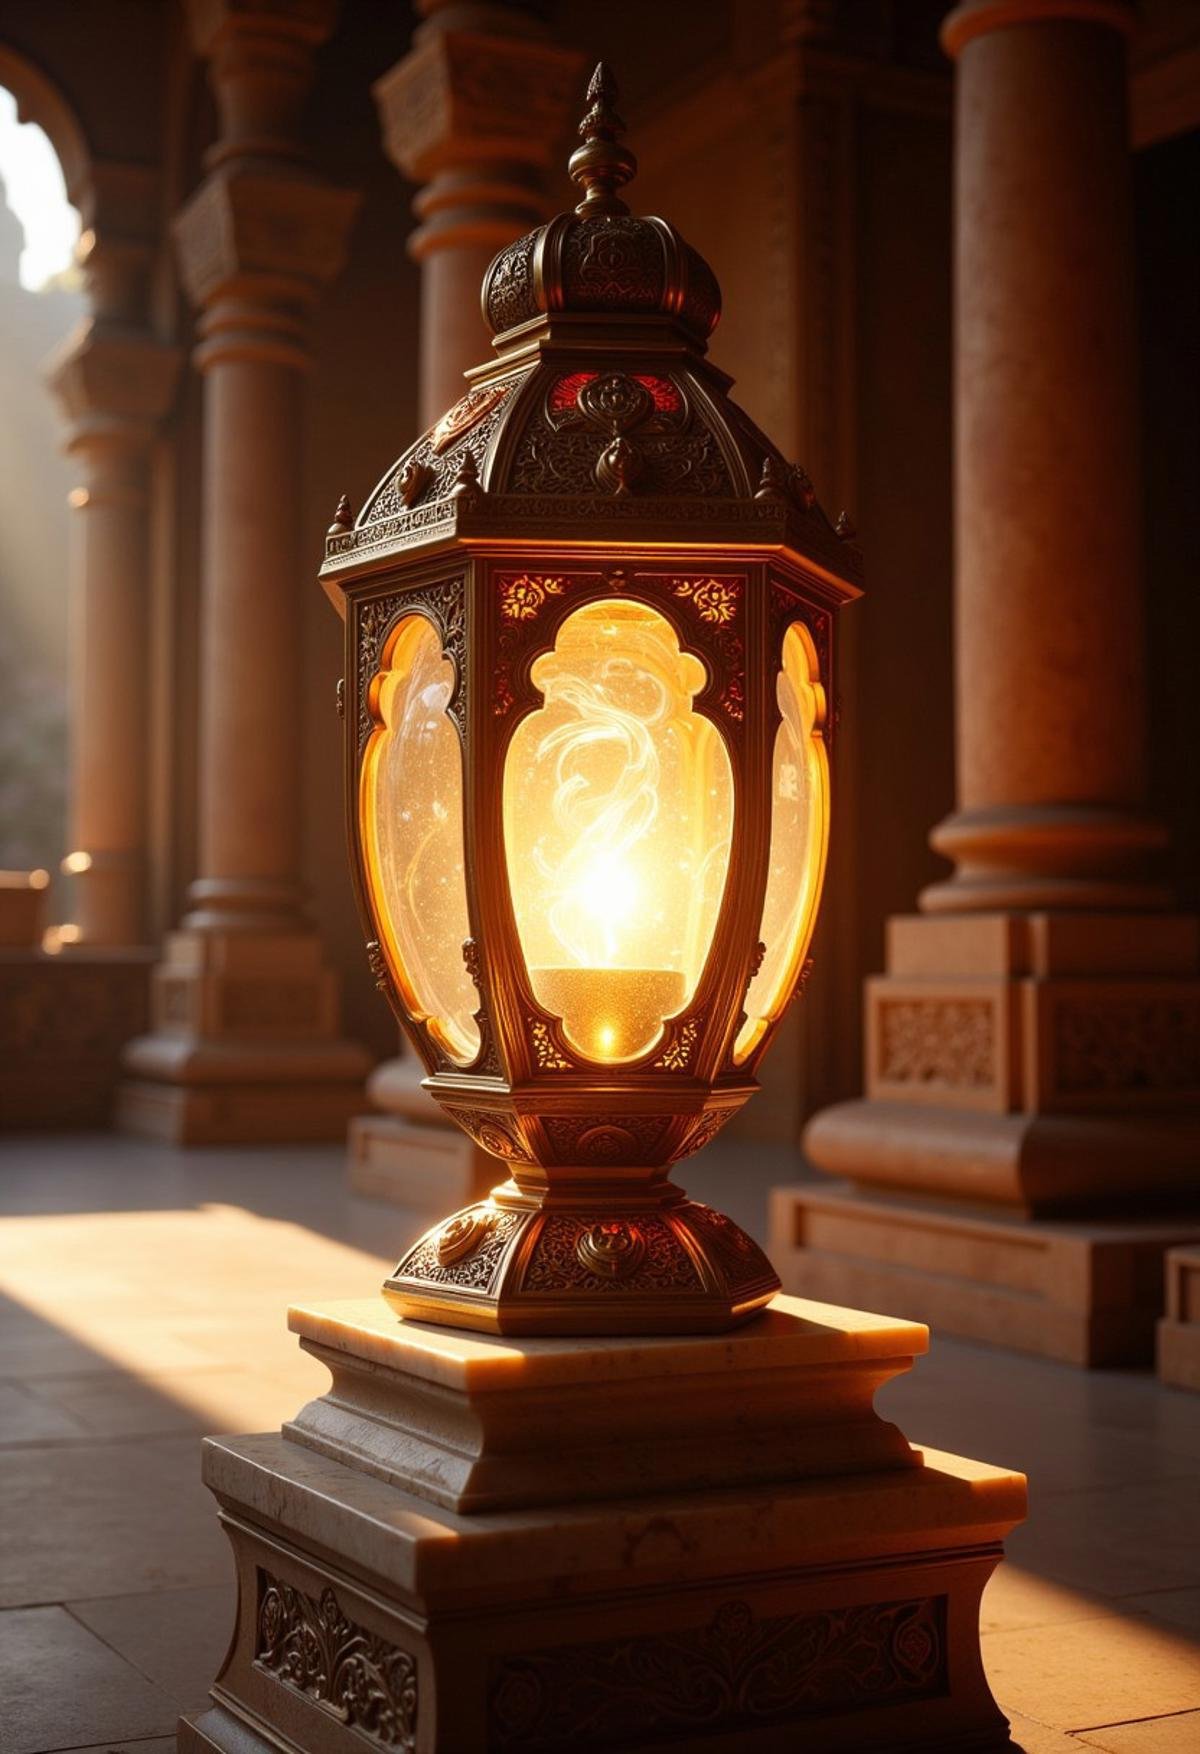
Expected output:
(540, 492)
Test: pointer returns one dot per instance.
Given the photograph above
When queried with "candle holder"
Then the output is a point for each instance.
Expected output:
(589, 639)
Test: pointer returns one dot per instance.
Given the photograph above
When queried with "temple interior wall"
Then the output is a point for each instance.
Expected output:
(716, 124)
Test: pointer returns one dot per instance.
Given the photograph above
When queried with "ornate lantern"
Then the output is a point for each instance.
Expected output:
(589, 622)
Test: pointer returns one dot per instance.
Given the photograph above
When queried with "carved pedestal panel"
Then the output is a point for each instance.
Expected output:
(1038, 1076)
(244, 1045)
(475, 1546)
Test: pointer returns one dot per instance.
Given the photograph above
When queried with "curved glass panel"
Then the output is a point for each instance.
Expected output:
(618, 811)
(799, 837)
(411, 822)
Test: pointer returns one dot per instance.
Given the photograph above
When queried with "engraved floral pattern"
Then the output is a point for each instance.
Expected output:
(737, 1673)
(555, 1263)
(715, 600)
(311, 1646)
(523, 594)
(477, 1271)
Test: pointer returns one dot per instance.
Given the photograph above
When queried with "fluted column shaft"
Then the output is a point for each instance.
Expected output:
(1051, 709)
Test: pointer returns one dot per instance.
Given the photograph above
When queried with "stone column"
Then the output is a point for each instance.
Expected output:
(474, 114)
(245, 1045)
(1035, 1043)
(114, 380)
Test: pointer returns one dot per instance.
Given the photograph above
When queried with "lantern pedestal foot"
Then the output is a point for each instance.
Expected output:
(244, 1046)
(696, 1542)
(1087, 1292)
(412, 1155)
(634, 1259)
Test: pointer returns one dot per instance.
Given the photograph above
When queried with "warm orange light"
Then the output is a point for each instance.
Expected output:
(799, 839)
(75, 863)
(618, 815)
(411, 823)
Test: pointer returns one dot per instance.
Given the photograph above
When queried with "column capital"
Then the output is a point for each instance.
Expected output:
(112, 381)
(472, 98)
(263, 238)
(261, 67)
(976, 18)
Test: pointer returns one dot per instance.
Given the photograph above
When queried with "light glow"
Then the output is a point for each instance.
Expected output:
(618, 811)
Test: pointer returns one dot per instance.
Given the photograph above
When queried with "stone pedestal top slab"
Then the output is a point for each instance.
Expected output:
(793, 1333)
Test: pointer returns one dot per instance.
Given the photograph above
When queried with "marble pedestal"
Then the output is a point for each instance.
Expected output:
(1087, 1292)
(1179, 1329)
(706, 1544)
(412, 1154)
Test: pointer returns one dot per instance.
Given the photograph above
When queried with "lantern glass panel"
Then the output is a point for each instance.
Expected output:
(411, 821)
(799, 837)
(618, 816)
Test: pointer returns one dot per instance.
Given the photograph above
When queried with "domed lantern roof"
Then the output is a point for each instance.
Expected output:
(589, 644)
(600, 407)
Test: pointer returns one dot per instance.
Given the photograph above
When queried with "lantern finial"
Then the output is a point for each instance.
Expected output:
(602, 165)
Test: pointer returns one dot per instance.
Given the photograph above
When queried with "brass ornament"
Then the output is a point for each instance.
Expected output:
(612, 1248)
(467, 412)
(462, 1235)
(596, 483)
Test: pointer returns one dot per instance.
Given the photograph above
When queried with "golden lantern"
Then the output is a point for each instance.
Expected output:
(589, 620)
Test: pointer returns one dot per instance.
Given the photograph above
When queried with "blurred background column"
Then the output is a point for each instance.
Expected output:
(245, 1010)
(114, 381)
(1033, 1053)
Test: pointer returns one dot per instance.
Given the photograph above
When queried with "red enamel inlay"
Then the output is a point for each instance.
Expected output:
(666, 397)
(566, 391)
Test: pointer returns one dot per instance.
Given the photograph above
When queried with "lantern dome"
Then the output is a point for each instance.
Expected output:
(600, 404)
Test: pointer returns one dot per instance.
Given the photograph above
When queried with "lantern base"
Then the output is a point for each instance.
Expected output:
(621, 1259)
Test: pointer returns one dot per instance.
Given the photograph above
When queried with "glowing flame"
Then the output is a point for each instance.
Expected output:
(604, 805)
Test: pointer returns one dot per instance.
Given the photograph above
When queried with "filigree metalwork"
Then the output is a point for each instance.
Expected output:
(714, 600)
(475, 1270)
(523, 594)
(467, 412)
(557, 1264)
(444, 602)
(702, 1132)
(546, 1051)
(312, 1646)
(378, 965)
(737, 1674)
(677, 1055)
(606, 1138)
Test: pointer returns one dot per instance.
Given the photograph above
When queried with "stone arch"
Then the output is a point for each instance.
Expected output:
(40, 100)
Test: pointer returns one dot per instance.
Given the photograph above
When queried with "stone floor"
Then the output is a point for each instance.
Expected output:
(141, 1304)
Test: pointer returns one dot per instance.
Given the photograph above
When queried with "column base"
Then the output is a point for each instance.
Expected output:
(1179, 1329)
(1086, 1293)
(244, 1048)
(238, 1114)
(703, 1612)
(412, 1154)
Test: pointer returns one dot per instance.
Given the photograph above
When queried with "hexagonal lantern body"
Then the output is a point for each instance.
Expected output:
(589, 638)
